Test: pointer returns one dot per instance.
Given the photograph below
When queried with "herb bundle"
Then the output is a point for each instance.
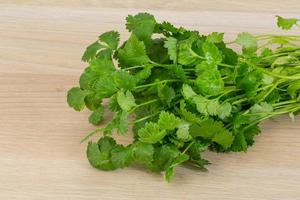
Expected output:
(188, 92)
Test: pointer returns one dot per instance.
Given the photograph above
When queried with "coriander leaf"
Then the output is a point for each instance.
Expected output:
(250, 133)
(103, 66)
(151, 133)
(293, 88)
(113, 104)
(105, 87)
(189, 116)
(187, 91)
(142, 25)
(171, 45)
(239, 143)
(121, 156)
(93, 101)
(99, 154)
(182, 132)
(125, 100)
(119, 122)
(143, 152)
(213, 107)
(286, 23)
(111, 39)
(209, 81)
(169, 173)
(211, 53)
(186, 55)
(166, 94)
(214, 130)
(91, 51)
(76, 98)
(97, 115)
(261, 108)
(250, 82)
(123, 79)
(224, 110)
(143, 74)
(215, 37)
(133, 53)
(168, 121)
(247, 41)
(163, 157)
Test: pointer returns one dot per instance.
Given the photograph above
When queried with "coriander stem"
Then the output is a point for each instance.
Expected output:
(156, 83)
(187, 148)
(226, 65)
(143, 104)
(144, 118)
(91, 134)
(134, 67)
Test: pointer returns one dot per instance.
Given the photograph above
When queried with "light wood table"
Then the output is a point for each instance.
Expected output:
(40, 156)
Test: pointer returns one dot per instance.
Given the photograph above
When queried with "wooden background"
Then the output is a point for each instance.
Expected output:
(41, 43)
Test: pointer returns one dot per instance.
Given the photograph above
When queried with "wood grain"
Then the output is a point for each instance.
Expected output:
(40, 156)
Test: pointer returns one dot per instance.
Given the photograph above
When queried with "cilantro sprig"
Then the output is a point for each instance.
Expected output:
(183, 92)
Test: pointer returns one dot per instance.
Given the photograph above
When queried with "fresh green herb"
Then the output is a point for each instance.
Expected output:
(184, 92)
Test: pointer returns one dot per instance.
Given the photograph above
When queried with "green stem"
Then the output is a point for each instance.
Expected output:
(143, 104)
(91, 134)
(226, 65)
(156, 83)
(145, 118)
(134, 67)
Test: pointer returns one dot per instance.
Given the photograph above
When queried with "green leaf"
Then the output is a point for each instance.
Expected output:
(171, 45)
(168, 121)
(247, 41)
(142, 25)
(209, 81)
(76, 98)
(186, 55)
(133, 53)
(261, 108)
(113, 104)
(293, 88)
(105, 87)
(121, 156)
(286, 23)
(125, 100)
(97, 115)
(91, 51)
(250, 82)
(239, 143)
(103, 66)
(224, 110)
(111, 39)
(188, 92)
(143, 152)
(182, 132)
(151, 133)
(169, 173)
(164, 157)
(166, 94)
(214, 130)
(187, 115)
(215, 37)
(211, 53)
(99, 154)
(123, 79)
(119, 122)
(143, 74)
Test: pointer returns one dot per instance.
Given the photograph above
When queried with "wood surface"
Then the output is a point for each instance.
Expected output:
(41, 43)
